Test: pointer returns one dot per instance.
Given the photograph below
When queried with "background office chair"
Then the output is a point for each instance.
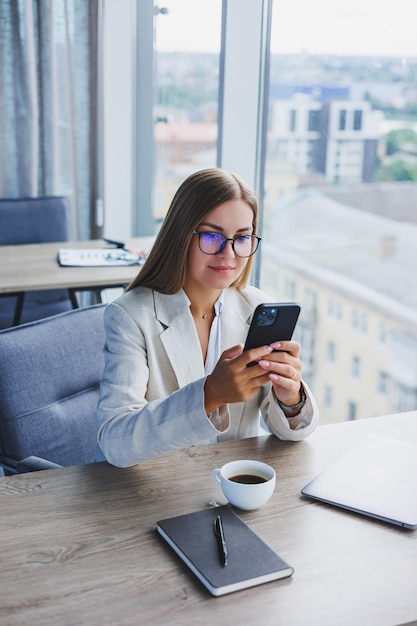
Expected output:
(50, 372)
(34, 220)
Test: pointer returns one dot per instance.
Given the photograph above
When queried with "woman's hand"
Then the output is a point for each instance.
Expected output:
(284, 370)
(232, 381)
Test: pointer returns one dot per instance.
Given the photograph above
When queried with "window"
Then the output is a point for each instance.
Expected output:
(352, 411)
(355, 367)
(293, 120)
(334, 309)
(357, 120)
(331, 352)
(403, 398)
(328, 224)
(329, 80)
(382, 383)
(358, 322)
(382, 335)
(313, 120)
(328, 397)
(186, 78)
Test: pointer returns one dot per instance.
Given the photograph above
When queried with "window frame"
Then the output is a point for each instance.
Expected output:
(128, 138)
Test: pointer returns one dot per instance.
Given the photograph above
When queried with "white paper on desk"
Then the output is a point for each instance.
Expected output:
(94, 257)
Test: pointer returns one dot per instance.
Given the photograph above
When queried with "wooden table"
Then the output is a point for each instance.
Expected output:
(34, 267)
(78, 545)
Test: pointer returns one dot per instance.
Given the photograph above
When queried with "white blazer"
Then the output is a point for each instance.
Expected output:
(152, 397)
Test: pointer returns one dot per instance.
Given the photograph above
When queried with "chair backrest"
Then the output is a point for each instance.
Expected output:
(50, 372)
(34, 220)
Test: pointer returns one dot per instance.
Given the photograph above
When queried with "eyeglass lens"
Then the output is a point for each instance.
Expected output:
(213, 243)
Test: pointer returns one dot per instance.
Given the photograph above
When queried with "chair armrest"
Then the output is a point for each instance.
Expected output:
(35, 463)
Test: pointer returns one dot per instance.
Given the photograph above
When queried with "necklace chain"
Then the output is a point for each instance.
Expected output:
(204, 316)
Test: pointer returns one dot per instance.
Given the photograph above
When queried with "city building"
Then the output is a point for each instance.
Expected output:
(322, 130)
(353, 272)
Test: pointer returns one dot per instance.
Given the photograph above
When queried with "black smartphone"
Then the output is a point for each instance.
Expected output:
(271, 322)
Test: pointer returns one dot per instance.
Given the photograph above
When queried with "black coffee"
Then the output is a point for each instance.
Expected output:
(248, 479)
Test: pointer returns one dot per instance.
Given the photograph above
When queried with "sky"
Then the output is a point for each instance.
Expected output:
(363, 27)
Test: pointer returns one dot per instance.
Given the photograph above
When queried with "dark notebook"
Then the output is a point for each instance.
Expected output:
(250, 560)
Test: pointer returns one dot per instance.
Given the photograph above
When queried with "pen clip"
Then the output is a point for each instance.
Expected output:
(216, 527)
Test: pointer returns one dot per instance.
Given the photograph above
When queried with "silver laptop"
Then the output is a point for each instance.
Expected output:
(376, 477)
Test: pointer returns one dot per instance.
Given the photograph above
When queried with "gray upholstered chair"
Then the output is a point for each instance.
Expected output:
(50, 372)
(34, 220)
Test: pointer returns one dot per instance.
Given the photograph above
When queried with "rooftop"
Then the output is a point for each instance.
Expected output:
(358, 251)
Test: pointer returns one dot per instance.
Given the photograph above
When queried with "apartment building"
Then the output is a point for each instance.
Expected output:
(353, 272)
(324, 131)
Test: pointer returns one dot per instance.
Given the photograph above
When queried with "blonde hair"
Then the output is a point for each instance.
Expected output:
(200, 193)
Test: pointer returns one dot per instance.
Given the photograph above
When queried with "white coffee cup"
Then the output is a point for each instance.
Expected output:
(246, 484)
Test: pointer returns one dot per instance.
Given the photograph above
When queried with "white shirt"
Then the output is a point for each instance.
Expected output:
(214, 344)
(213, 355)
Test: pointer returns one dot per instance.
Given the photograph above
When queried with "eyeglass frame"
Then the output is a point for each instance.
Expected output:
(226, 239)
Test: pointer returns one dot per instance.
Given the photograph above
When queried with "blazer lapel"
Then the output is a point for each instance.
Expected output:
(179, 338)
(236, 316)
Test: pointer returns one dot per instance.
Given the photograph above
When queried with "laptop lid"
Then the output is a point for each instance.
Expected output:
(376, 477)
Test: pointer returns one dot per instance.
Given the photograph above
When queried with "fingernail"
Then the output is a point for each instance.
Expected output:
(274, 377)
(275, 346)
(263, 363)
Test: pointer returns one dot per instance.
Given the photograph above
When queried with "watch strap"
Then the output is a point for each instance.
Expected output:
(291, 410)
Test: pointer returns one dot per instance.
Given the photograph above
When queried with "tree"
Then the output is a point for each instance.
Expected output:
(397, 138)
(399, 170)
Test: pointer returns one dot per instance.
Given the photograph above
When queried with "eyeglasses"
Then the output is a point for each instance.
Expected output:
(214, 243)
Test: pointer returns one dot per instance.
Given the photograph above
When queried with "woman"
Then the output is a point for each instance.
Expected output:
(175, 370)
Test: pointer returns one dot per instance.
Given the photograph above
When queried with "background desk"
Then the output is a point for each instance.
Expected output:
(33, 267)
(78, 545)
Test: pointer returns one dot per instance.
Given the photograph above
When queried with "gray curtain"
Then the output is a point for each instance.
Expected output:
(48, 103)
